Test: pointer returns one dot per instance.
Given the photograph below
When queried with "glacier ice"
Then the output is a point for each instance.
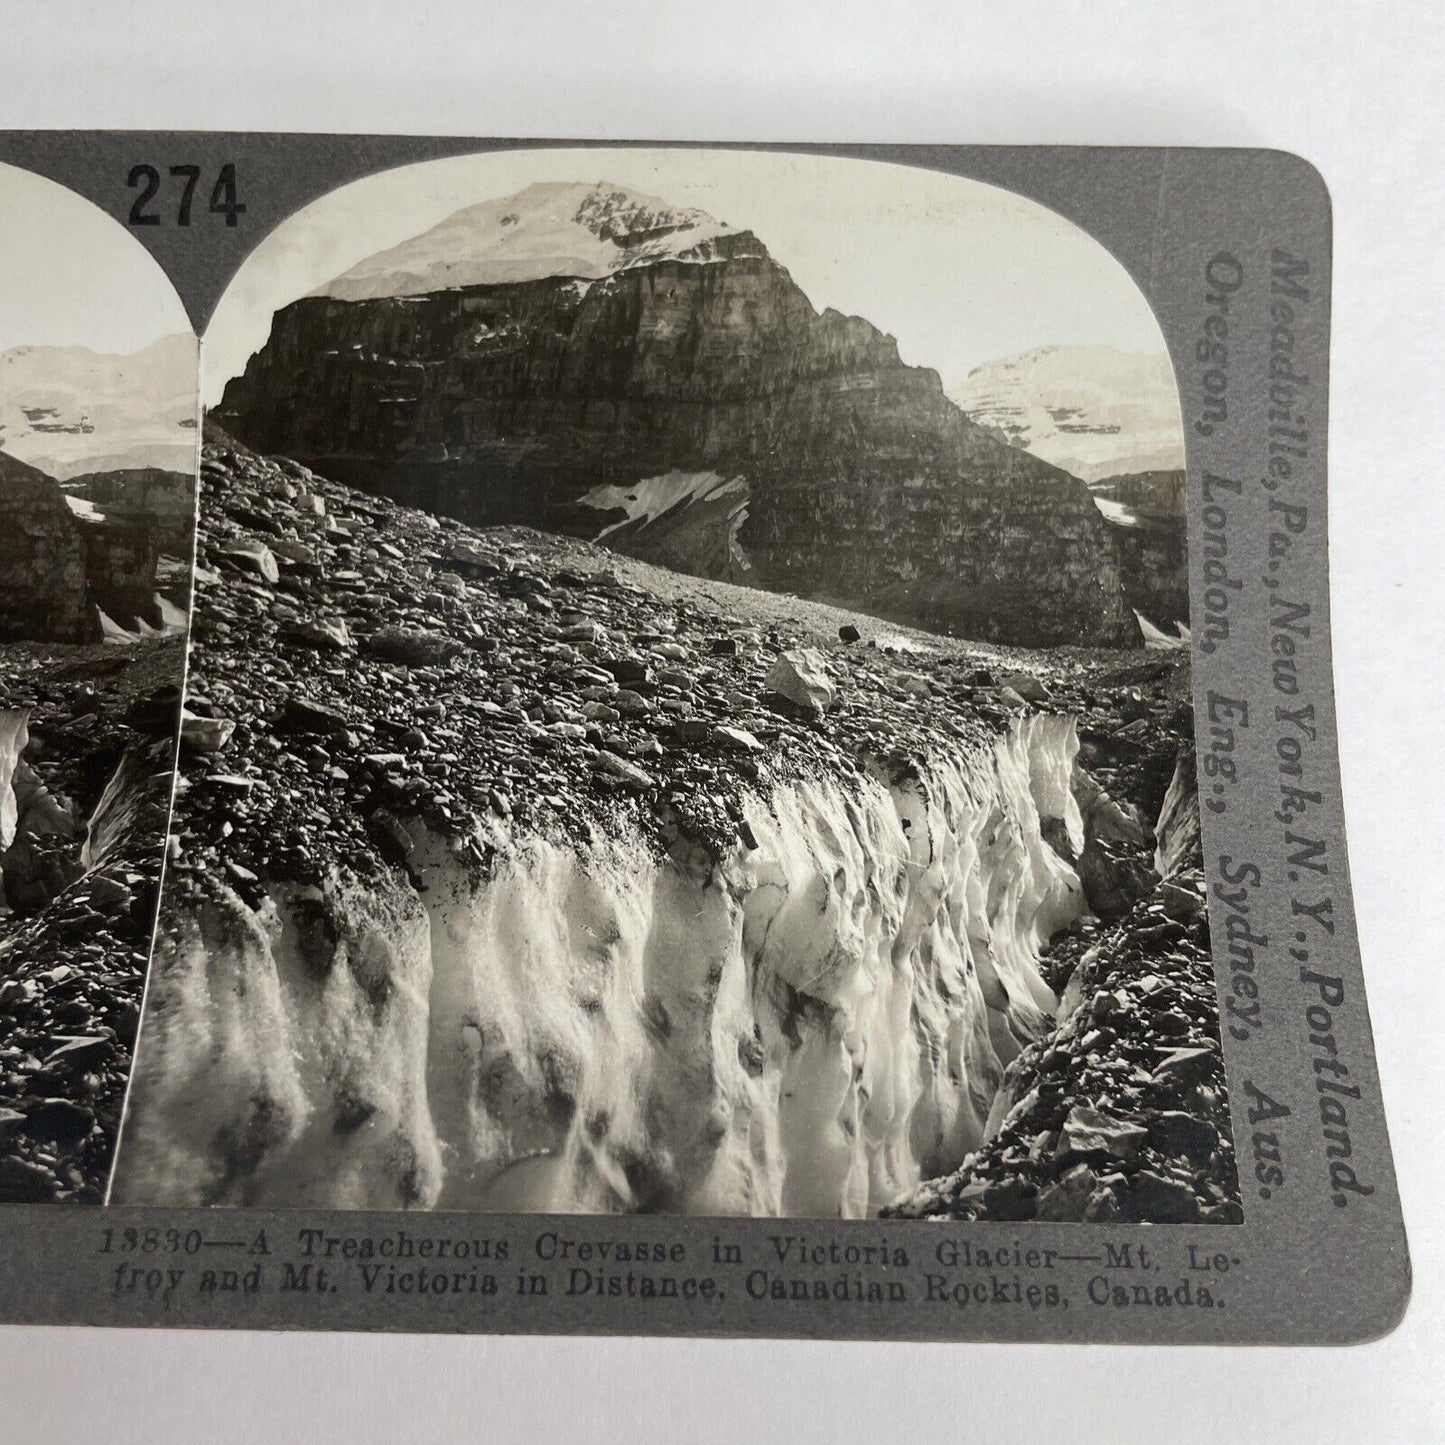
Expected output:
(805, 1027)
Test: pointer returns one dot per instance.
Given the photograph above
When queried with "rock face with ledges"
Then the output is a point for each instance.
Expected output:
(508, 401)
(42, 558)
(59, 564)
(160, 503)
(1147, 510)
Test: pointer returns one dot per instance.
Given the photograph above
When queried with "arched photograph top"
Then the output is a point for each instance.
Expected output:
(783, 316)
(98, 452)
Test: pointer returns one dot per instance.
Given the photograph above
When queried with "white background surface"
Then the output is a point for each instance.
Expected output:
(1352, 87)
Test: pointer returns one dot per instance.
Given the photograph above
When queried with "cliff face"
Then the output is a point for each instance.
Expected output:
(1154, 562)
(160, 503)
(509, 402)
(42, 558)
(63, 560)
(1146, 510)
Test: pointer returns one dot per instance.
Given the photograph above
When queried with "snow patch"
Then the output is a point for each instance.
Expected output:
(1157, 641)
(173, 618)
(651, 497)
(1116, 512)
(899, 643)
(173, 624)
(14, 738)
(83, 508)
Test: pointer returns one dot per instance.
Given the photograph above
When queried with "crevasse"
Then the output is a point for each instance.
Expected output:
(807, 1028)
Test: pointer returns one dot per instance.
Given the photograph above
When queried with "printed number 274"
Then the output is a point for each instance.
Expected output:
(147, 180)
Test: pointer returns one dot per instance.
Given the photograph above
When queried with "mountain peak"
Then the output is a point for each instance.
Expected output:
(69, 410)
(550, 228)
(1095, 411)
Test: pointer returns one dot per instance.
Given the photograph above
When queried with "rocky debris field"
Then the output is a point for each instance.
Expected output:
(359, 668)
(364, 676)
(1121, 1113)
(80, 879)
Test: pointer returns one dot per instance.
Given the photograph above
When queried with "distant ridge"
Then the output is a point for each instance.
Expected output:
(1094, 411)
(69, 410)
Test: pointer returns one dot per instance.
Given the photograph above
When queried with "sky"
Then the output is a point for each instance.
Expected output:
(960, 272)
(72, 276)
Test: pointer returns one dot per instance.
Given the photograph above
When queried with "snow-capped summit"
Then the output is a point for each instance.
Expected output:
(1092, 410)
(552, 228)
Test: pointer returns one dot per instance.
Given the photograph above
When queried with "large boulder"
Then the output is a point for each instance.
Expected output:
(1089, 1131)
(413, 646)
(801, 676)
(1027, 686)
(254, 557)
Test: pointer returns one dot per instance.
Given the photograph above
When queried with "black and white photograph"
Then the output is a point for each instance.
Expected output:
(98, 437)
(688, 713)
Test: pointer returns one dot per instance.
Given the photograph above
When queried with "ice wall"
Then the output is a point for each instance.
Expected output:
(807, 1028)
(14, 737)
